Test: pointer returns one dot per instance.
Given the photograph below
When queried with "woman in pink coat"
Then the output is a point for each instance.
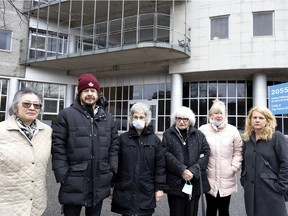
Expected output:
(224, 161)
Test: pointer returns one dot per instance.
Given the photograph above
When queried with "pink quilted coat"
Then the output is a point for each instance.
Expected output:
(23, 167)
(225, 158)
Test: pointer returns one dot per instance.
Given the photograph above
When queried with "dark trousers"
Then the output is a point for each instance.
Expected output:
(182, 206)
(72, 210)
(220, 204)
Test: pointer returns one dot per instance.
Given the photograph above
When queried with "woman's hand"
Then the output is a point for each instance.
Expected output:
(158, 195)
(111, 193)
(187, 175)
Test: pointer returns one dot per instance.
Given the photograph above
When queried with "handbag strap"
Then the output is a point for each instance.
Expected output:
(201, 191)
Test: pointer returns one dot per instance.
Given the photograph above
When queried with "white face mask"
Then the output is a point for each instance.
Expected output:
(138, 124)
(217, 123)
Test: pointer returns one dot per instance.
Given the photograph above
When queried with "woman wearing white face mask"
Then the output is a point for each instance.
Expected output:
(141, 175)
(224, 161)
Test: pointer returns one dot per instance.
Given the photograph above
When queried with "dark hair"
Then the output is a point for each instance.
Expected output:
(13, 108)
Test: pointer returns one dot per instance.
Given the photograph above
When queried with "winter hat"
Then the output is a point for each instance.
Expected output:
(87, 81)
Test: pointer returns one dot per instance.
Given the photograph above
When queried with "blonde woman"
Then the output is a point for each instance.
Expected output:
(264, 174)
(224, 161)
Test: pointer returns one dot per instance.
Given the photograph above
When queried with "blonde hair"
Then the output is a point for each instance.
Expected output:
(269, 129)
(217, 106)
(184, 112)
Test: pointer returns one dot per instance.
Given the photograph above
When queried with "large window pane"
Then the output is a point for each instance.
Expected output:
(231, 89)
(263, 23)
(219, 27)
(150, 91)
(50, 106)
(135, 92)
(212, 89)
(203, 89)
(5, 40)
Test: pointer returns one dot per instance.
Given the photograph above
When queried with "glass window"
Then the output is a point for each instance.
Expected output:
(119, 93)
(222, 89)
(49, 44)
(50, 106)
(186, 90)
(203, 89)
(135, 92)
(194, 89)
(161, 107)
(150, 91)
(236, 104)
(212, 89)
(231, 106)
(5, 40)
(125, 92)
(232, 89)
(3, 97)
(161, 91)
(263, 23)
(219, 27)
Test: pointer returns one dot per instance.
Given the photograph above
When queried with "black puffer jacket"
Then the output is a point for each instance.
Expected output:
(141, 172)
(197, 145)
(84, 154)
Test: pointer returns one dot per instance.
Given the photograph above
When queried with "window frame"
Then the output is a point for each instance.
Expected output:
(11, 36)
(217, 34)
(260, 34)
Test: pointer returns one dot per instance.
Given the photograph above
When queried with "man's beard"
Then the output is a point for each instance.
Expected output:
(89, 101)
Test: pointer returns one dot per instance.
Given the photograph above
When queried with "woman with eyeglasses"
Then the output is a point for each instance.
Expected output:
(25, 147)
(187, 153)
(224, 161)
(141, 178)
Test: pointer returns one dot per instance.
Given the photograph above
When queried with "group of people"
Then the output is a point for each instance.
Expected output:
(91, 161)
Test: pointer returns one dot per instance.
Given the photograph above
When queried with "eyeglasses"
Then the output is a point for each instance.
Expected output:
(139, 117)
(28, 105)
(179, 119)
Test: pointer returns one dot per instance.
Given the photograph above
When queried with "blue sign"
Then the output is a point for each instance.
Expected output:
(278, 98)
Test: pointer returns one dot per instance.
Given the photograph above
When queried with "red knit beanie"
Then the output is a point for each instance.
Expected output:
(87, 81)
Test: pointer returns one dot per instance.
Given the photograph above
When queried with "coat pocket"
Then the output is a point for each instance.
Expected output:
(75, 181)
(122, 195)
(104, 167)
(270, 179)
(147, 195)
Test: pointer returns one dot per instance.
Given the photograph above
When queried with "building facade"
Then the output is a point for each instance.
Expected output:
(164, 53)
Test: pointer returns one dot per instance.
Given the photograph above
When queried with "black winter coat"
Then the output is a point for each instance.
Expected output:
(84, 154)
(264, 188)
(141, 172)
(197, 145)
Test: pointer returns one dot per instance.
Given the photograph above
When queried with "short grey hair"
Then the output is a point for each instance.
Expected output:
(184, 112)
(140, 108)
(17, 97)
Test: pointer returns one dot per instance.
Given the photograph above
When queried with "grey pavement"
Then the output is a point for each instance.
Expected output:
(54, 209)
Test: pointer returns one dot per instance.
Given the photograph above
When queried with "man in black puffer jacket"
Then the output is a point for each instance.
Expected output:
(84, 151)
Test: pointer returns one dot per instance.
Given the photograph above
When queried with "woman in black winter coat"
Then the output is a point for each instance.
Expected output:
(141, 175)
(186, 149)
(264, 175)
